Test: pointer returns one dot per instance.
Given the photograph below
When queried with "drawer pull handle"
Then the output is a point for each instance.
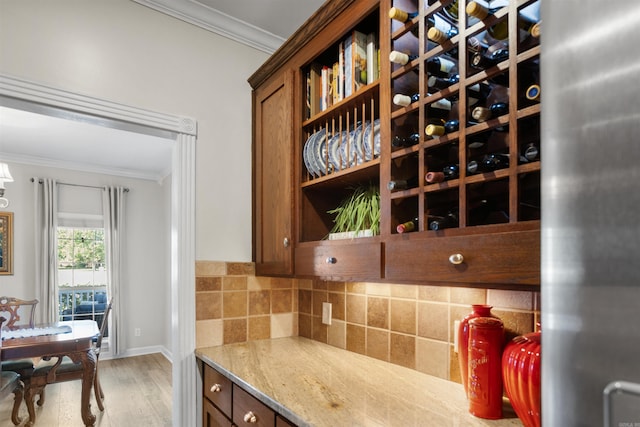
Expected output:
(331, 260)
(249, 417)
(216, 388)
(456, 259)
(285, 242)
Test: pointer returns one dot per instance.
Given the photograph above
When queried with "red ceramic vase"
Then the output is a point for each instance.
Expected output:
(521, 376)
(486, 340)
(478, 310)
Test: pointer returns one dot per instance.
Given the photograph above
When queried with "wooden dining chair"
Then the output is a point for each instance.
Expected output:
(10, 383)
(61, 369)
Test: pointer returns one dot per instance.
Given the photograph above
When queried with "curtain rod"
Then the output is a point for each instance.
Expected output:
(40, 181)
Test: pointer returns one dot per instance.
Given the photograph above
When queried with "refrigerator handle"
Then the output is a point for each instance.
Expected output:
(616, 387)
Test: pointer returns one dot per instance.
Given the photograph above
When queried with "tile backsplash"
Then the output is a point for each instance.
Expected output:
(408, 325)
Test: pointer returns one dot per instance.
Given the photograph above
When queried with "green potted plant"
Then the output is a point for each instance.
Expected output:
(358, 215)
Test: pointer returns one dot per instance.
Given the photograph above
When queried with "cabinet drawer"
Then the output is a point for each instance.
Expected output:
(281, 422)
(217, 388)
(212, 417)
(248, 407)
(357, 261)
(510, 258)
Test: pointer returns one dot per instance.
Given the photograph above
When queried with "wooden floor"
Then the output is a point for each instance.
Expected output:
(137, 393)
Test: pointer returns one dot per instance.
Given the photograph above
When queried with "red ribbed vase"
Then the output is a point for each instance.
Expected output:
(478, 310)
(521, 377)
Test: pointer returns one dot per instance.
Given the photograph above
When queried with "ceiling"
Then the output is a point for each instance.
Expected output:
(42, 139)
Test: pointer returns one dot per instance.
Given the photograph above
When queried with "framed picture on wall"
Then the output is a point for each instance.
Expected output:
(6, 242)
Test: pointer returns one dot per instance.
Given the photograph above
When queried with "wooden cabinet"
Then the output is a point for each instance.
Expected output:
(273, 176)
(493, 198)
(227, 404)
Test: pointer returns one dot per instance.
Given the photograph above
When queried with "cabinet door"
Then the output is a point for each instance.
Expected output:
(247, 410)
(281, 422)
(509, 258)
(273, 176)
(217, 388)
(212, 417)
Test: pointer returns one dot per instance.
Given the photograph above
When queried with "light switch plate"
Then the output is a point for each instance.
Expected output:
(326, 313)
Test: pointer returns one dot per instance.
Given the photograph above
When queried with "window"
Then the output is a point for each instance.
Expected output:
(82, 277)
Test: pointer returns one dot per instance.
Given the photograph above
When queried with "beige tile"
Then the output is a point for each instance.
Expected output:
(258, 283)
(304, 283)
(379, 289)
(208, 333)
(337, 334)
(403, 316)
(211, 268)
(433, 293)
(468, 296)
(432, 357)
(283, 325)
(378, 344)
(234, 283)
(241, 268)
(402, 350)
(208, 284)
(356, 338)
(336, 287)
(304, 301)
(356, 288)
(282, 301)
(208, 305)
(281, 283)
(234, 304)
(356, 309)
(433, 320)
(454, 366)
(338, 305)
(378, 312)
(259, 328)
(304, 325)
(259, 302)
(235, 330)
(404, 291)
(510, 299)
(515, 322)
(319, 285)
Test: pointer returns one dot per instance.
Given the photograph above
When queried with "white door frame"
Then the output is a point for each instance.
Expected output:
(184, 132)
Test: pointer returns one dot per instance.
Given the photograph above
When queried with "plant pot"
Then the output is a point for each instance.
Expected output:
(521, 374)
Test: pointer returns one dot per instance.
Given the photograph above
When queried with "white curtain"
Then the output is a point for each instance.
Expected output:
(113, 206)
(45, 193)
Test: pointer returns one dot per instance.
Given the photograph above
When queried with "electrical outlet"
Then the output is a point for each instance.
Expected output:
(326, 313)
(137, 332)
(456, 326)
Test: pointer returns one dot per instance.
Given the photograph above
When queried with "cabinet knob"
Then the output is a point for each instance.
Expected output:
(249, 417)
(456, 259)
(331, 260)
(216, 388)
(285, 242)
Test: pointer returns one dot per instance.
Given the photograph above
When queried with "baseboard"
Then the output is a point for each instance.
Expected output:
(139, 351)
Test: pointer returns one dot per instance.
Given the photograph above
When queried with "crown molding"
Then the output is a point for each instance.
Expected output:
(213, 20)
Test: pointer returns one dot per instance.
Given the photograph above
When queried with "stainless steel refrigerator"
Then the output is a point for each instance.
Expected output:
(590, 131)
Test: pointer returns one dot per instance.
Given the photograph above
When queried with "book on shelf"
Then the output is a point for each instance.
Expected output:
(355, 62)
(314, 88)
(373, 65)
(326, 93)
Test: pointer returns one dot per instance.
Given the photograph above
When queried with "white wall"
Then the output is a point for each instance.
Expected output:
(124, 52)
(145, 274)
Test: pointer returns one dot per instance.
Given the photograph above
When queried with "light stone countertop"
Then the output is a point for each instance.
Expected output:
(315, 384)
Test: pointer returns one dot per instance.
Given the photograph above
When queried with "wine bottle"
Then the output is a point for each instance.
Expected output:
(497, 109)
(440, 30)
(409, 226)
(478, 93)
(529, 152)
(499, 31)
(405, 141)
(401, 15)
(448, 172)
(439, 130)
(401, 57)
(439, 109)
(488, 163)
(442, 82)
(402, 184)
(440, 66)
(488, 58)
(405, 100)
(533, 93)
(450, 220)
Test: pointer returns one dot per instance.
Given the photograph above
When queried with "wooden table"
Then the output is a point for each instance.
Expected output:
(76, 344)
